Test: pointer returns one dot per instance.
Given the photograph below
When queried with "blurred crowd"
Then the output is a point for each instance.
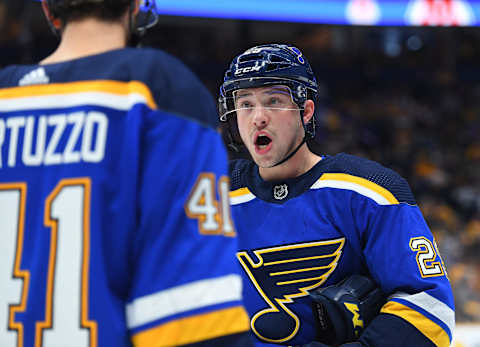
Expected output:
(406, 97)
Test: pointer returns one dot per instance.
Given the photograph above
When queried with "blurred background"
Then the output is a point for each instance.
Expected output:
(399, 84)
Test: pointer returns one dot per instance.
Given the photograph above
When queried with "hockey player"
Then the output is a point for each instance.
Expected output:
(103, 196)
(92, 49)
(305, 221)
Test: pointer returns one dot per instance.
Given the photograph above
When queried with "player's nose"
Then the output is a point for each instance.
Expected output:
(260, 117)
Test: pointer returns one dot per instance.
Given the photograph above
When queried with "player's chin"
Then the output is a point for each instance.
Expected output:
(264, 162)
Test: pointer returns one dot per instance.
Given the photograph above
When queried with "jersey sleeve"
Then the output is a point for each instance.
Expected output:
(186, 286)
(402, 256)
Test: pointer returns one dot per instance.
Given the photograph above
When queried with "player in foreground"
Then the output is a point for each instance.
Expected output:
(106, 49)
(306, 222)
(101, 201)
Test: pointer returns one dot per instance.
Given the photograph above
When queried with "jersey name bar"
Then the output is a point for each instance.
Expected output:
(54, 139)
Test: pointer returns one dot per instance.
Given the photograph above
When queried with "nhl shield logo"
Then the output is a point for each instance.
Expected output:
(280, 192)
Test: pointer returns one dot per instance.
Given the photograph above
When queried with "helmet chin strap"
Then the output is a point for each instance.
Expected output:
(299, 145)
(293, 153)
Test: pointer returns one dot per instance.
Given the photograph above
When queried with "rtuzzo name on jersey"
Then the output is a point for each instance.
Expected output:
(53, 139)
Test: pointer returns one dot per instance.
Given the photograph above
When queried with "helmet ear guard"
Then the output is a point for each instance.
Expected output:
(146, 18)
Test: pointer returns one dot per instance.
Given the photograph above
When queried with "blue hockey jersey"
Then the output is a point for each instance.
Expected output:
(173, 87)
(345, 216)
(114, 216)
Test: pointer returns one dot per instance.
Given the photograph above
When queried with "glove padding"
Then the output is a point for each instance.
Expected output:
(344, 310)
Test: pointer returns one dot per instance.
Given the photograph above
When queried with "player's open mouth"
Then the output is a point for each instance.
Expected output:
(263, 143)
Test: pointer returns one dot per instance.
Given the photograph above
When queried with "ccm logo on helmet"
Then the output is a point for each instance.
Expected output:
(254, 68)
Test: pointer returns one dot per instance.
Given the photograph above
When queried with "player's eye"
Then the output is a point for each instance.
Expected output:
(245, 104)
(274, 101)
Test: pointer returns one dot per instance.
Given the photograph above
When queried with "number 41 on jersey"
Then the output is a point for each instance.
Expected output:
(213, 216)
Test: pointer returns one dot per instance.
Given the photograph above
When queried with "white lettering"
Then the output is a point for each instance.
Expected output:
(14, 124)
(254, 68)
(96, 154)
(28, 157)
(59, 121)
(69, 155)
(54, 139)
(2, 138)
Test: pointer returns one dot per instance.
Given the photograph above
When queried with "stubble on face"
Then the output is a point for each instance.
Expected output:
(285, 138)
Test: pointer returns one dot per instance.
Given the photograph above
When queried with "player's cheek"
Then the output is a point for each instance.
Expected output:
(243, 129)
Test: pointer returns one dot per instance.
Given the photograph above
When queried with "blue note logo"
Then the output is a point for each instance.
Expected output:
(282, 274)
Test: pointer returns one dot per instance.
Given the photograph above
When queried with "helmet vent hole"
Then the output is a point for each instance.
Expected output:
(272, 67)
(276, 59)
(250, 57)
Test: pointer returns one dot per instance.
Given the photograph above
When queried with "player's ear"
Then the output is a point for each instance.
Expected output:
(309, 110)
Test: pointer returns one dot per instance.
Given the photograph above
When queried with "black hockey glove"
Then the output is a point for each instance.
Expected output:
(344, 310)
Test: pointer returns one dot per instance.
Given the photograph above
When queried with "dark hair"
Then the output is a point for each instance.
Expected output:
(70, 10)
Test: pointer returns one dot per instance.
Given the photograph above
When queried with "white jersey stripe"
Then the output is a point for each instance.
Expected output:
(183, 298)
(433, 306)
(236, 200)
(103, 99)
(379, 199)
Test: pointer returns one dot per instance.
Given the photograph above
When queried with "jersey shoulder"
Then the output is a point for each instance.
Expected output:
(184, 141)
(116, 65)
(7, 75)
(373, 172)
(174, 87)
(177, 123)
(178, 89)
(156, 66)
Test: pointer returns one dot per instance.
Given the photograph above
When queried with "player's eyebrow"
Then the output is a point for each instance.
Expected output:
(242, 94)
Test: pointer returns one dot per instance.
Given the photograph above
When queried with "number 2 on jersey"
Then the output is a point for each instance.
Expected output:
(427, 253)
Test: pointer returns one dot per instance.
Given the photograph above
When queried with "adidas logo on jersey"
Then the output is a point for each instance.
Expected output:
(37, 76)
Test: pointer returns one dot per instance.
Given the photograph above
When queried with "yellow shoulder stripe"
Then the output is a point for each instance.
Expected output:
(428, 328)
(195, 329)
(362, 182)
(239, 192)
(103, 86)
